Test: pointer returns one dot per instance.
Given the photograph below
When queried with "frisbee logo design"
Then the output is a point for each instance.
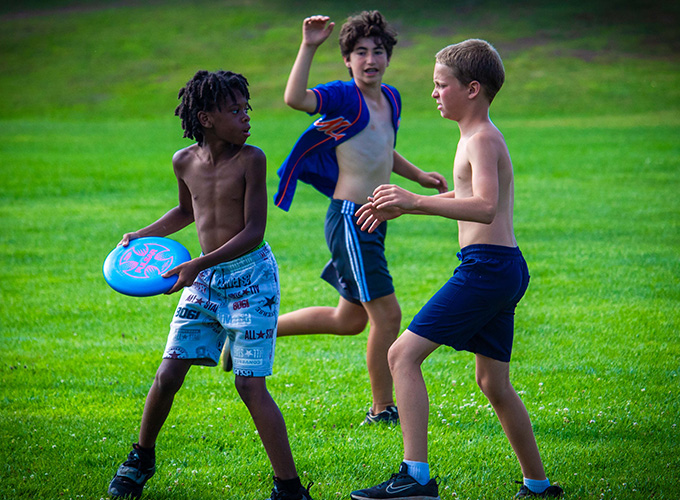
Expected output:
(149, 260)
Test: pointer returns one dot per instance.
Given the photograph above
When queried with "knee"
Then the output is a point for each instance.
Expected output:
(484, 385)
(394, 320)
(168, 381)
(396, 357)
(388, 322)
(353, 324)
(249, 389)
(356, 325)
(243, 387)
(495, 391)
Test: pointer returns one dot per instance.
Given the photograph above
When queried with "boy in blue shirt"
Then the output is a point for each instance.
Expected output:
(346, 154)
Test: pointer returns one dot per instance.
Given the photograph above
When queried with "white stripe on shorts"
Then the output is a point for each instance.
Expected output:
(354, 250)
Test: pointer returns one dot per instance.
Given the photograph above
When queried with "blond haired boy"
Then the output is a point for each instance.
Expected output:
(474, 310)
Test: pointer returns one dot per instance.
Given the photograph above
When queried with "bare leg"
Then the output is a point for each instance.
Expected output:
(493, 378)
(345, 319)
(385, 321)
(406, 356)
(269, 423)
(169, 379)
(350, 319)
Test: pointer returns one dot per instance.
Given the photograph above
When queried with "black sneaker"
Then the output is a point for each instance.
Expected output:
(131, 477)
(390, 415)
(400, 486)
(278, 493)
(553, 491)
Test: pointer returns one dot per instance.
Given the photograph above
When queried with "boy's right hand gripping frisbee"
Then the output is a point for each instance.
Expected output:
(137, 269)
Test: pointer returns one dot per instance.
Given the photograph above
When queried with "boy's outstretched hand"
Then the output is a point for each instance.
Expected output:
(388, 202)
(390, 196)
(316, 29)
(368, 217)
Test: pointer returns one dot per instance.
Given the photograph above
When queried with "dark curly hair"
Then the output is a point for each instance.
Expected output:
(368, 24)
(207, 91)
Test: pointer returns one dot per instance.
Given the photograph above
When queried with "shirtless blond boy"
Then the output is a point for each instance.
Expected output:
(474, 310)
(231, 289)
(346, 154)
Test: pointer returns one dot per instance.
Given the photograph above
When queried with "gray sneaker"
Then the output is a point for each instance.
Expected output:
(390, 415)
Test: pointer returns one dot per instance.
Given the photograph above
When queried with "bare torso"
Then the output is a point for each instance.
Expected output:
(365, 161)
(216, 190)
(500, 231)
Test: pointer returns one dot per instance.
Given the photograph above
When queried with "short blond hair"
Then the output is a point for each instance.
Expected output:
(475, 60)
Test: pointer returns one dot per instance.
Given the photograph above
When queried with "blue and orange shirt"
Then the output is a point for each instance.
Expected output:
(312, 159)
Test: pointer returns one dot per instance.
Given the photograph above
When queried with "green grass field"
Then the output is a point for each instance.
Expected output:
(591, 113)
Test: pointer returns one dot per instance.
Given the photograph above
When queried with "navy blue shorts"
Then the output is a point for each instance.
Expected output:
(475, 310)
(358, 268)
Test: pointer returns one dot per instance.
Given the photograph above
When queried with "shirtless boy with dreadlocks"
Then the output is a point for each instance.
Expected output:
(230, 290)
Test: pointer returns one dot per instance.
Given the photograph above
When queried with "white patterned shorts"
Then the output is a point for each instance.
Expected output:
(238, 299)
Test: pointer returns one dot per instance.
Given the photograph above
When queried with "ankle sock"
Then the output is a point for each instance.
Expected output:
(536, 485)
(290, 485)
(420, 471)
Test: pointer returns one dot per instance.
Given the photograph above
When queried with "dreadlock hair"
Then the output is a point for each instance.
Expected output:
(368, 24)
(207, 91)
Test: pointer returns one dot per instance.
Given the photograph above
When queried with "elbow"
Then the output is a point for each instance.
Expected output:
(487, 215)
(184, 214)
(255, 234)
(300, 101)
(290, 102)
(188, 216)
(293, 101)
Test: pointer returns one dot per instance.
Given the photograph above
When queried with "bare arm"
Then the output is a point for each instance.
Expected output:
(472, 209)
(390, 201)
(370, 217)
(175, 219)
(409, 171)
(480, 207)
(315, 30)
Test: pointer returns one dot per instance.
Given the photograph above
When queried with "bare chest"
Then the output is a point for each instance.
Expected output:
(462, 174)
(373, 147)
(211, 188)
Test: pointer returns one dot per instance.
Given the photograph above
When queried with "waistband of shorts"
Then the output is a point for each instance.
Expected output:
(343, 206)
(257, 254)
(489, 251)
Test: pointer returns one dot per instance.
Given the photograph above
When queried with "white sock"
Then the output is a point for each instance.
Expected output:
(420, 471)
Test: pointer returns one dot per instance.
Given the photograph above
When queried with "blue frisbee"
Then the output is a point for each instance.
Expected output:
(137, 269)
